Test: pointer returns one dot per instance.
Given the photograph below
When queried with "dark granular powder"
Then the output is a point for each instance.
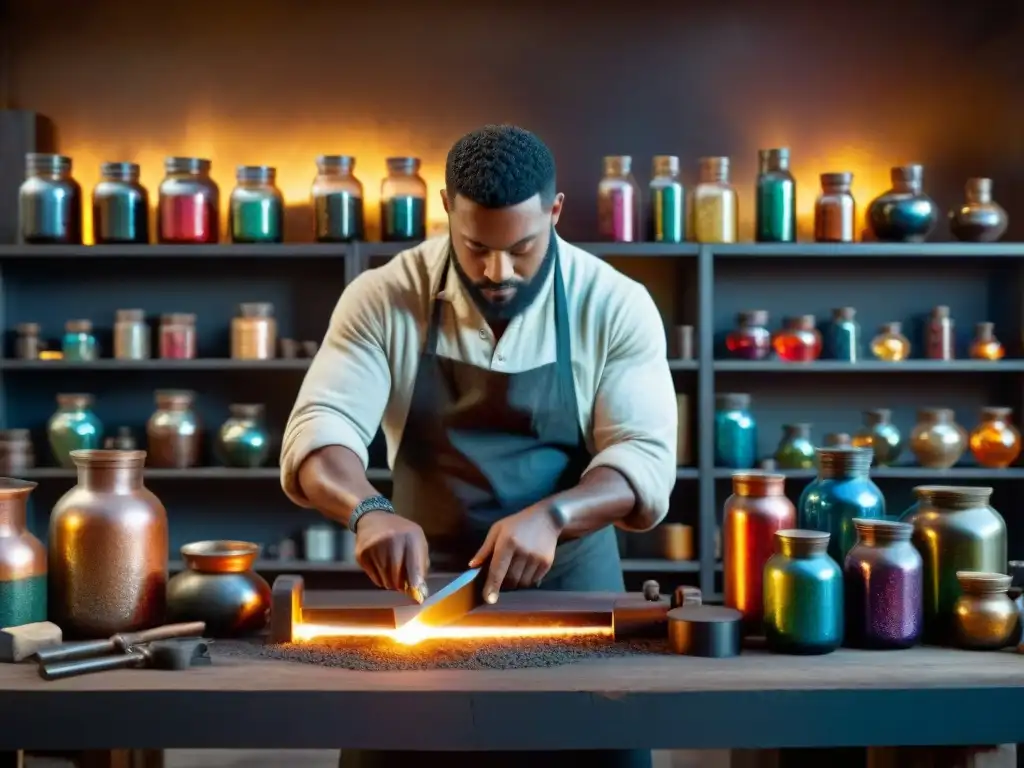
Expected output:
(383, 654)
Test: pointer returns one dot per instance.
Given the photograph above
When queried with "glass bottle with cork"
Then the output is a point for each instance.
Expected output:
(177, 336)
(940, 335)
(715, 203)
(668, 201)
(776, 198)
(337, 200)
(403, 201)
(835, 210)
(79, 343)
(618, 201)
(985, 345)
(120, 206)
(844, 335)
(890, 345)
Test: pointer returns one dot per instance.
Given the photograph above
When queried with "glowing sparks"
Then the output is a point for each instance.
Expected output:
(414, 632)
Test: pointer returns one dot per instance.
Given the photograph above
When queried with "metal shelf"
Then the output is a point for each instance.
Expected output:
(871, 366)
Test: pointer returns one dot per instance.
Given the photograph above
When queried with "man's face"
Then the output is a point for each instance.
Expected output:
(499, 251)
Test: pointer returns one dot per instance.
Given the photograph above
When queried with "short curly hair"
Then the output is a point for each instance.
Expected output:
(500, 165)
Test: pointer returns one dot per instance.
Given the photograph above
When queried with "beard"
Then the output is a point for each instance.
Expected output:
(526, 291)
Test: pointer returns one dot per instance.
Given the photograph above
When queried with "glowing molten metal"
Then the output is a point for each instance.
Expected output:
(414, 632)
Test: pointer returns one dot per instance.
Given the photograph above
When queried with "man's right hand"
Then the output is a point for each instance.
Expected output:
(393, 553)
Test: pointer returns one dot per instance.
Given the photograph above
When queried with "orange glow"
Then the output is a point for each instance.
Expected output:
(292, 152)
(415, 632)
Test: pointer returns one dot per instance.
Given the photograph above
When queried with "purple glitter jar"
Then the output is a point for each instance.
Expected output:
(884, 580)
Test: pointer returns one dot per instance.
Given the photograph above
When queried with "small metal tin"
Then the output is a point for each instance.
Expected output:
(704, 630)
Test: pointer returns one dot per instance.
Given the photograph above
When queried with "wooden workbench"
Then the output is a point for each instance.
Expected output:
(919, 697)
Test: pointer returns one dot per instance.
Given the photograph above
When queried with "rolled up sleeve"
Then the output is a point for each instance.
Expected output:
(346, 389)
(634, 421)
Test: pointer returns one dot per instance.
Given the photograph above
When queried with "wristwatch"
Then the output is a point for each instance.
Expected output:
(372, 504)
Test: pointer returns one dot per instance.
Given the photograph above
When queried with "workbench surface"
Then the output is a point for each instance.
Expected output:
(920, 696)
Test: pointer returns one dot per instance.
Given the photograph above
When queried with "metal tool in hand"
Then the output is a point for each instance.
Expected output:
(171, 654)
(449, 604)
(118, 644)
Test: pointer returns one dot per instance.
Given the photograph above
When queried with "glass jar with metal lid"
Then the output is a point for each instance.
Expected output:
(254, 332)
(403, 201)
(189, 207)
(120, 206)
(337, 200)
(256, 207)
(49, 201)
(131, 335)
(79, 342)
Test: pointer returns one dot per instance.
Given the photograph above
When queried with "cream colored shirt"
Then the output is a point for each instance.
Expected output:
(363, 375)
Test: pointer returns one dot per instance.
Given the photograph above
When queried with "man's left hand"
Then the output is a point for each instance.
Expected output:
(521, 549)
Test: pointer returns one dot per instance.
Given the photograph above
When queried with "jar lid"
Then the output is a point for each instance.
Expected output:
(78, 326)
(28, 329)
(130, 315)
(74, 400)
(187, 165)
(174, 398)
(246, 410)
(178, 318)
(256, 309)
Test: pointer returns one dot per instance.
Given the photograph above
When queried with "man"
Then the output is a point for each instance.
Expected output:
(523, 389)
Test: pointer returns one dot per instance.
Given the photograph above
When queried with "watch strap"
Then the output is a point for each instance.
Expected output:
(371, 504)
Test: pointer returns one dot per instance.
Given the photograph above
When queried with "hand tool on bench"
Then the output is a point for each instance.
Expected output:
(448, 604)
(170, 654)
(119, 643)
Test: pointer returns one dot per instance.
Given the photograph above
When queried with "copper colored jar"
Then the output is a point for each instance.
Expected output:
(16, 452)
(756, 510)
(107, 549)
(937, 441)
(835, 210)
(174, 433)
(254, 332)
(985, 618)
(995, 442)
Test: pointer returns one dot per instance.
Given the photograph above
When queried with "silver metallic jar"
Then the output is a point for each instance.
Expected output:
(49, 201)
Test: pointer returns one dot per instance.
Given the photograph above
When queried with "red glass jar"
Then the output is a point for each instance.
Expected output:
(178, 336)
(750, 340)
(799, 340)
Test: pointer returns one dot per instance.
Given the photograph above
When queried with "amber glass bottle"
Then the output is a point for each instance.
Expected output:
(995, 442)
(890, 344)
(985, 345)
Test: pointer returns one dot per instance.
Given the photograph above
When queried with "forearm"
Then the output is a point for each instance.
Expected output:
(334, 480)
(602, 497)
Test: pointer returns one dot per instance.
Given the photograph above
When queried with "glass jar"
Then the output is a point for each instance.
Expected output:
(667, 222)
(985, 345)
(883, 577)
(120, 206)
(981, 219)
(890, 345)
(985, 618)
(242, 440)
(750, 340)
(715, 203)
(403, 202)
(618, 201)
(188, 210)
(757, 509)
(937, 441)
(799, 340)
(803, 595)
(776, 198)
(49, 201)
(955, 529)
(795, 450)
(79, 343)
(940, 335)
(904, 213)
(174, 432)
(844, 335)
(735, 432)
(256, 206)
(995, 442)
(842, 492)
(337, 200)
(131, 335)
(28, 344)
(16, 452)
(73, 427)
(835, 210)
(254, 332)
(178, 336)
(881, 436)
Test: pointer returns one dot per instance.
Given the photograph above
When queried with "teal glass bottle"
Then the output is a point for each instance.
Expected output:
(844, 340)
(776, 198)
(795, 451)
(242, 440)
(842, 492)
(73, 427)
(803, 595)
(667, 216)
(79, 343)
(735, 432)
(256, 206)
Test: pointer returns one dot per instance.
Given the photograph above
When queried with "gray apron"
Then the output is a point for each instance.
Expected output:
(479, 446)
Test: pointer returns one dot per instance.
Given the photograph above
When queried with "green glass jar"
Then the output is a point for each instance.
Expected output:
(73, 427)
(795, 451)
(803, 595)
(881, 436)
(776, 198)
(242, 440)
